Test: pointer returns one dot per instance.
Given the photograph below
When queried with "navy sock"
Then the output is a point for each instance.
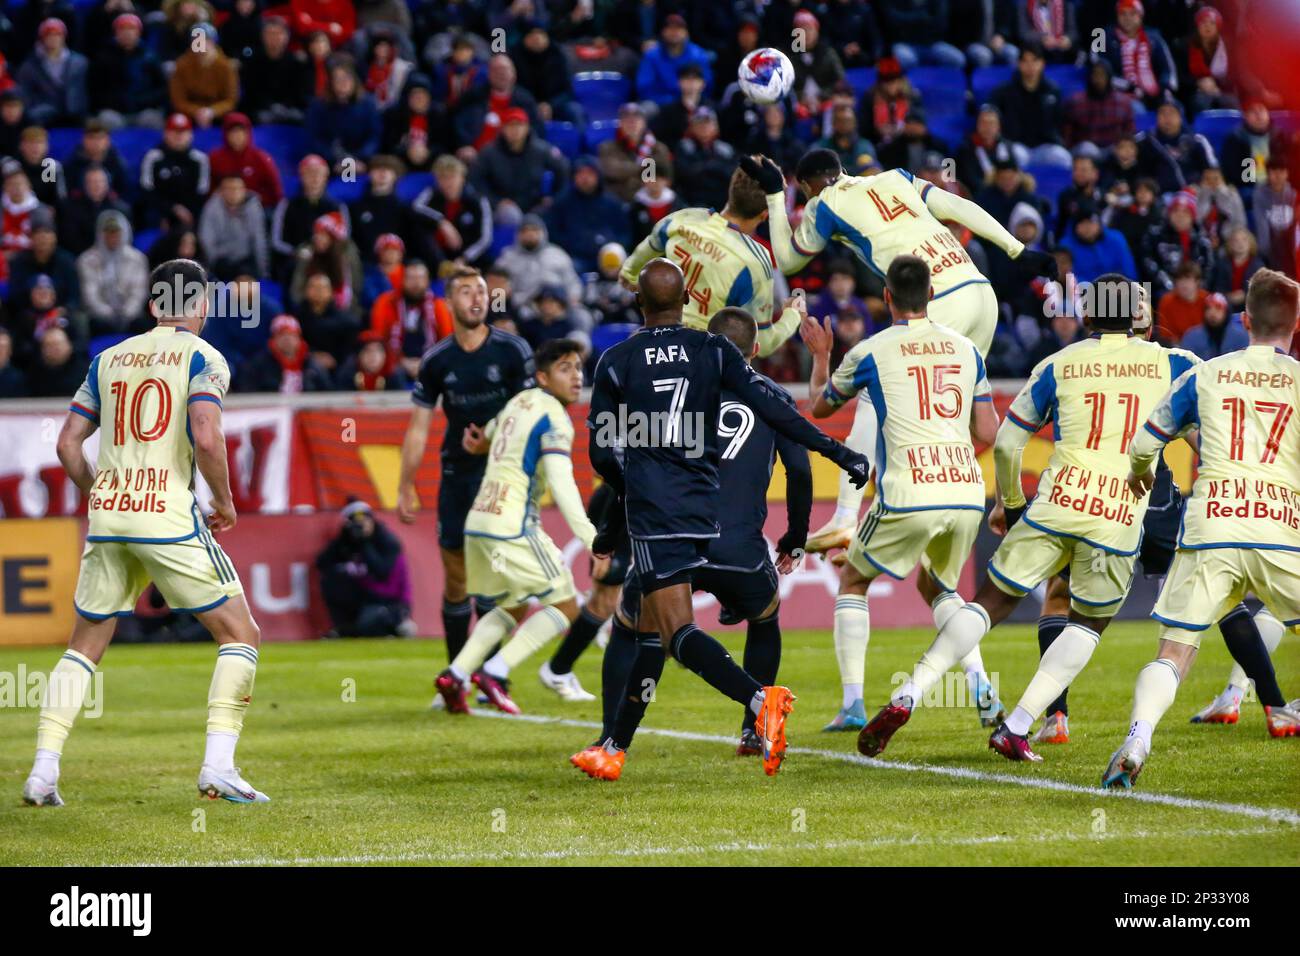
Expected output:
(455, 625)
(705, 656)
(620, 654)
(581, 633)
(1049, 629)
(639, 690)
(1247, 649)
(762, 657)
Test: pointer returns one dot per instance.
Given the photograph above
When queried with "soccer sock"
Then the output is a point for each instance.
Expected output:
(1157, 686)
(945, 606)
(762, 656)
(958, 637)
(581, 633)
(852, 634)
(642, 683)
(1062, 663)
(620, 655)
(455, 625)
(65, 692)
(703, 654)
(490, 630)
(973, 665)
(1049, 629)
(228, 696)
(544, 626)
(1251, 642)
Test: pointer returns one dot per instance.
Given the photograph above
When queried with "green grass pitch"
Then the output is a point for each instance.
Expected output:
(361, 771)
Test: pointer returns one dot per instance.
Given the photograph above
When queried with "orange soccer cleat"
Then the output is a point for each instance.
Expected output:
(582, 759)
(770, 724)
(1055, 730)
(601, 764)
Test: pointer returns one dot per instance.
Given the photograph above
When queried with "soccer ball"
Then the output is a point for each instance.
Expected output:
(766, 75)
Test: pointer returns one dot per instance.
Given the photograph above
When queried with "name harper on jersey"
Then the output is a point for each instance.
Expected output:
(1110, 370)
(659, 354)
(144, 359)
(1232, 376)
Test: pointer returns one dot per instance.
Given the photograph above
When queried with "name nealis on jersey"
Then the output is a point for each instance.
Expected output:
(1247, 489)
(531, 425)
(1097, 393)
(922, 379)
(138, 392)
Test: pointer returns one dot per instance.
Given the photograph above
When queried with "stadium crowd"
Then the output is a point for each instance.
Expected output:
(338, 159)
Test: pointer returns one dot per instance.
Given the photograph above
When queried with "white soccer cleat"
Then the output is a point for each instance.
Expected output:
(40, 793)
(1284, 721)
(1221, 710)
(1125, 765)
(831, 535)
(228, 785)
(566, 685)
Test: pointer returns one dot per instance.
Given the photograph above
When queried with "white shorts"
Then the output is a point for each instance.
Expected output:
(971, 310)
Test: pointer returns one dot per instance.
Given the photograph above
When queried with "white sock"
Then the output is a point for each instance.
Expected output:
(852, 634)
(219, 750)
(945, 606)
(1020, 721)
(536, 632)
(850, 694)
(1270, 632)
(973, 665)
(1157, 686)
(847, 515)
(46, 766)
(1143, 731)
(756, 702)
(959, 636)
(489, 630)
(1059, 666)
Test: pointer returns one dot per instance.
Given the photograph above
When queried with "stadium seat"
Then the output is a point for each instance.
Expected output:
(502, 236)
(861, 78)
(411, 185)
(273, 291)
(346, 192)
(145, 238)
(1215, 125)
(952, 129)
(101, 342)
(1286, 121)
(986, 79)
(599, 131)
(4, 289)
(1145, 121)
(609, 335)
(63, 141)
(1070, 78)
(1051, 180)
(601, 93)
(939, 85)
(565, 136)
(133, 142)
(206, 140)
(286, 144)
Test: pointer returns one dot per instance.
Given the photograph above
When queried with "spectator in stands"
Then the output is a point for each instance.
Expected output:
(981, 30)
(672, 120)
(1218, 332)
(284, 366)
(126, 81)
(1064, 329)
(384, 272)
(277, 83)
(45, 174)
(296, 216)
(205, 84)
(455, 218)
(908, 149)
(533, 261)
(1030, 107)
(1099, 113)
(482, 112)
(1120, 169)
(332, 252)
(1173, 155)
(855, 151)
(985, 146)
(114, 278)
(18, 203)
(39, 310)
(376, 13)
(839, 302)
(1247, 148)
(174, 177)
(544, 72)
(81, 210)
(320, 53)
(59, 371)
(584, 218)
(817, 67)
(501, 299)
(550, 318)
(181, 17)
(1136, 214)
(1179, 239)
(232, 228)
(460, 73)
(414, 131)
(654, 200)
(239, 156)
(1275, 220)
(13, 121)
(330, 331)
(1237, 262)
(240, 31)
(373, 368)
(343, 125)
(704, 162)
(774, 138)
(44, 257)
(1008, 188)
(1085, 186)
(53, 78)
(13, 383)
(604, 296)
(1218, 206)
(1026, 224)
(1207, 73)
(1096, 249)
(386, 69)
(411, 319)
(886, 105)
(1139, 57)
(96, 149)
(337, 19)
(852, 29)
(656, 78)
(519, 170)
(380, 210)
(632, 154)
(915, 29)
(364, 578)
(1052, 26)
(179, 242)
(1182, 306)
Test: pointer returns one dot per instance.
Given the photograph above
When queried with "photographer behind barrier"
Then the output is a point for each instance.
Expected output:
(364, 578)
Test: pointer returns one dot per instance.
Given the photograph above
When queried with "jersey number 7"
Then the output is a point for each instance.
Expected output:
(1236, 408)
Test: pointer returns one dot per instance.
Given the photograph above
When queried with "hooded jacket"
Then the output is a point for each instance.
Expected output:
(583, 222)
(114, 283)
(234, 235)
(253, 165)
(531, 270)
(500, 173)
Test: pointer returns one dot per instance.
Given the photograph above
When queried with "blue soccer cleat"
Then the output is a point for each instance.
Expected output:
(853, 717)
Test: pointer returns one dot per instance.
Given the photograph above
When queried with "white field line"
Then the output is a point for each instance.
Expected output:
(1275, 814)
(691, 849)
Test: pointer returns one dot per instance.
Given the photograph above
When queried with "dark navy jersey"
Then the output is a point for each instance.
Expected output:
(653, 421)
(473, 386)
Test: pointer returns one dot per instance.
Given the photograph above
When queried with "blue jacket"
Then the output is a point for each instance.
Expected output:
(336, 130)
(580, 224)
(1197, 339)
(656, 79)
(1110, 253)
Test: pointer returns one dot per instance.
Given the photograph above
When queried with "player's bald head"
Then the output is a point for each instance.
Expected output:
(661, 289)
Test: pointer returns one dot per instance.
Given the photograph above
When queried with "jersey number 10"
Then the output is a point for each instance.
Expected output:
(162, 418)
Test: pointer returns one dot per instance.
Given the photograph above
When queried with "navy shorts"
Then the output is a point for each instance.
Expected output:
(456, 496)
(743, 595)
(661, 562)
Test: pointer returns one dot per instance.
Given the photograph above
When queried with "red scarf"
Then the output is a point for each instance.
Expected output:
(1135, 57)
(291, 369)
(1048, 16)
(886, 115)
(642, 149)
(322, 81)
(1215, 64)
(1239, 274)
(377, 81)
(408, 317)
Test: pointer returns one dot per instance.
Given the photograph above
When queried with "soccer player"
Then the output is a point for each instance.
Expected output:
(739, 573)
(655, 405)
(724, 263)
(929, 391)
(509, 560)
(475, 371)
(1096, 392)
(1241, 523)
(158, 397)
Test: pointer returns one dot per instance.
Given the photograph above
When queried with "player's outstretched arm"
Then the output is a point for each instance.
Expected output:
(984, 422)
(817, 336)
(413, 444)
(798, 495)
(949, 206)
(71, 451)
(792, 252)
(1008, 449)
(558, 469)
(210, 457)
(647, 249)
(604, 439)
